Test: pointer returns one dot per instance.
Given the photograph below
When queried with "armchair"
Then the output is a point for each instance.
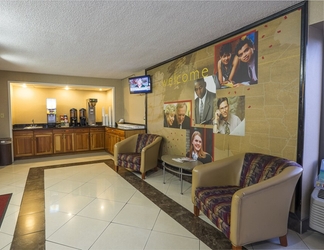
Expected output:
(247, 196)
(138, 152)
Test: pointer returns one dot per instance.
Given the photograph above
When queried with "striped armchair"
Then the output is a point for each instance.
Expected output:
(138, 152)
(247, 196)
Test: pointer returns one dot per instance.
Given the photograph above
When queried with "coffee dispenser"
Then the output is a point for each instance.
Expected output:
(73, 117)
(82, 117)
(51, 112)
(91, 103)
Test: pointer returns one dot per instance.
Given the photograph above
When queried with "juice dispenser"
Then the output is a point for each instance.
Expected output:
(51, 112)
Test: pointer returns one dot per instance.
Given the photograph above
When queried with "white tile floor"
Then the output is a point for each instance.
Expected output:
(91, 207)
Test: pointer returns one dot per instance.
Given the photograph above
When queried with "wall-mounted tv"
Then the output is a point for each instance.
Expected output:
(140, 84)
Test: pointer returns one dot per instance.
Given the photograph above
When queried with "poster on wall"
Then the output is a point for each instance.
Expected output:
(236, 61)
(249, 75)
(204, 94)
(230, 116)
(177, 115)
(201, 145)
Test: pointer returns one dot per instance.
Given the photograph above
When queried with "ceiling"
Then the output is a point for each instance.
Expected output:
(115, 39)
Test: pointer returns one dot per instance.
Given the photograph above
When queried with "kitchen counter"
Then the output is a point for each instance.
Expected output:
(45, 127)
(39, 141)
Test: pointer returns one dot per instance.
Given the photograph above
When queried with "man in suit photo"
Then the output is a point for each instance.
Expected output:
(203, 103)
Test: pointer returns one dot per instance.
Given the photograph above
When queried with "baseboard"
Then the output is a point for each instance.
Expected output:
(298, 225)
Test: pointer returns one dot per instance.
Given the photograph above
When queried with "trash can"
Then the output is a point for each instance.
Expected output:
(5, 151)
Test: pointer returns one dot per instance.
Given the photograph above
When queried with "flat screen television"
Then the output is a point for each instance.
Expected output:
(140, 84)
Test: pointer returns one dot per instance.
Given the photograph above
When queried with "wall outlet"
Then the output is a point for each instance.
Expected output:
(1, 115)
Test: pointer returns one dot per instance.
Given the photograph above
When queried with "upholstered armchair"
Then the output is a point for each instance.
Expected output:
(138, 152)
(246, 196)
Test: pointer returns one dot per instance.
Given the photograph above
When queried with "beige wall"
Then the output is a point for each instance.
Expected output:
(134, 105)
(30, 103)
(7, 76)
(315, 11)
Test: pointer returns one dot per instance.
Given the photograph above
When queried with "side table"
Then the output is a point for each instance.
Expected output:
(185, 165)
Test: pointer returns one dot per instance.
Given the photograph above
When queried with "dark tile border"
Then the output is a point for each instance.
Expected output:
(32, 236)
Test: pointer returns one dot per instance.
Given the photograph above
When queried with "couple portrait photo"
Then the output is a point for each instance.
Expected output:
(177, 115)
(236, 62)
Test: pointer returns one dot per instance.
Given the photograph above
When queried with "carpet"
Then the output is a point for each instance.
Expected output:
(4, 202)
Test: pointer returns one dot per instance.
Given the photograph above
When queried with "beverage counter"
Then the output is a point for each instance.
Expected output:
(41, 140)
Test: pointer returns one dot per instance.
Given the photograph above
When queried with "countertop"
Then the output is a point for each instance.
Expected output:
(46, 127)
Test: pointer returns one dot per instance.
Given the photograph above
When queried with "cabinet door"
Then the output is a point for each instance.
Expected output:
(81, 141)
(68, 142)
(106, 141)
(23, 144)
(113, 140)
(43, 143)
(97, 140)
(58, 143)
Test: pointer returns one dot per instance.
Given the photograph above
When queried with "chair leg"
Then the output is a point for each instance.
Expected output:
(236, 247)
(116, 168)
(143, 176)
(283, 241)
(196, 211)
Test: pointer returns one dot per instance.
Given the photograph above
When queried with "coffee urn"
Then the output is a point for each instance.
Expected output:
(82, 117)
(73, 117)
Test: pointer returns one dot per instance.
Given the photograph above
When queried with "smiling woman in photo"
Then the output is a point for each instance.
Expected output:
(196, 150)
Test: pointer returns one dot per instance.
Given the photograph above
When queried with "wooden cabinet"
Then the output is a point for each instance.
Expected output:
(97, 138)
(34, 142)
(43, 142)
(81, 139)
(23, 143)
(114, 135)
(30, 143)
(63, 140)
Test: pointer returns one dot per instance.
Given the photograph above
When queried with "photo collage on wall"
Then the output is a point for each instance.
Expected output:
(235, 65)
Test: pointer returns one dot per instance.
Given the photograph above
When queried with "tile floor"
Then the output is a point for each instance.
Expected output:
(90, 206)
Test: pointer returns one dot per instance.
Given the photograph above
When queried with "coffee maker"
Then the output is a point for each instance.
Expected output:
(82, 117)
(73, 117)
(91, 111)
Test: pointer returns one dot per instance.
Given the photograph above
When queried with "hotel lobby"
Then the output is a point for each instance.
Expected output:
(87, 205)
(73, 200)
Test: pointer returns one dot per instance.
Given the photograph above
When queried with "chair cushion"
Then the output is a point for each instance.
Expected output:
(260, 167)
(215, 203)
(144, 140)
(129, 160)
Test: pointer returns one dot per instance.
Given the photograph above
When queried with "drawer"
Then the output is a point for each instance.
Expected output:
(115, 131)
(43, 132)
(120, 132)
(81, 130)
(23, 133)
(97, 129)
(63, 130)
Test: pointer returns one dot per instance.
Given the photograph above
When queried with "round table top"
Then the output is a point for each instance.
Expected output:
(187, 165)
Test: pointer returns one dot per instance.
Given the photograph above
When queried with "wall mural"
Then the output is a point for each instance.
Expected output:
(236, 95)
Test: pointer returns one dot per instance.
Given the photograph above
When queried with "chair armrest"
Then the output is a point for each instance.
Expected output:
(222, 172)
(127, 145)
(266, 203)
(149, 155)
